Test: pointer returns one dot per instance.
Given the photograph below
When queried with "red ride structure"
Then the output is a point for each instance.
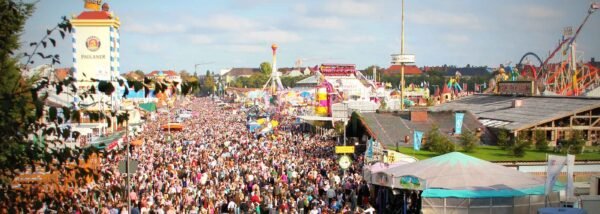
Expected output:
(565, 77)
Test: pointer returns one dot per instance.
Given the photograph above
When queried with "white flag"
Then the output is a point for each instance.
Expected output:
(555, 165)
(570, 187)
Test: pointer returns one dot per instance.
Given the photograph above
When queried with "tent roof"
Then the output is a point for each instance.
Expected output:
(457, 171)
(148, 106)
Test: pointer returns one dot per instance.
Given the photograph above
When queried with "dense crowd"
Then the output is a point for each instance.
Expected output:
(214, 165)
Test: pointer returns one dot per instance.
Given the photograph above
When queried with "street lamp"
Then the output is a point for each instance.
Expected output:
(127, 109)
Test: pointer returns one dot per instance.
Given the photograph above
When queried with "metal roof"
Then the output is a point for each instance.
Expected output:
(498, 111)
(390, 128)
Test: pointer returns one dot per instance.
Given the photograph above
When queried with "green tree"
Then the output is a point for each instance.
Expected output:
(257, 80)
(437, 142)
(503, 140)
(184, 75)
(25, 119)
(291, 81)
(209, 83)
(140, 73)
(266, 68)
(369, 70)
(541, 143)
(575, 143)
(468, 140)
(16, 112)
(32, 135)
(519, 146)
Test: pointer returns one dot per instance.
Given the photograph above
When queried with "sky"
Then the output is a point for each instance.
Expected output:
(177, 35)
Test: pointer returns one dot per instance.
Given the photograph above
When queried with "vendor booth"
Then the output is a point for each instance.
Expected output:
(172, 127)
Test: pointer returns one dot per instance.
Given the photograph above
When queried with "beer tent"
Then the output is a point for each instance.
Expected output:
(458, 183)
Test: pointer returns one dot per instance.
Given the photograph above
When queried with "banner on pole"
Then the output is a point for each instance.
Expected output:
(570, 187)
(369, 153)
(458, 123)
(418, 136)
(555, 165)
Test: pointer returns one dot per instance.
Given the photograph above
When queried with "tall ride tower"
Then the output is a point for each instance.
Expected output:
(275, 78)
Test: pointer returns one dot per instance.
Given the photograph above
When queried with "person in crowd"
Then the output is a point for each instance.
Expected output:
(213, 165)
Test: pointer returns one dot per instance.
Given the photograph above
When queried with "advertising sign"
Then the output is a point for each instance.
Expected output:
(411, 182)
(516, 87)
(92, 4)
(402, 58)
(337, 69)
(93, 54)
(344, 149)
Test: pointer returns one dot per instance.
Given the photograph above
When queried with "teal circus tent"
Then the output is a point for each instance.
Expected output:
(459, 183)
(458, 175)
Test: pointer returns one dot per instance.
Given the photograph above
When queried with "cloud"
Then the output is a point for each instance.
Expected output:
(351, 8)
(244, 48)
(537, 12)
(353, 39)
(450, 20)
(456, 38)
(321, 22)
(201, 39)
(227, 22)
(299, 8)
(278, 36)
(153, 28)
(149, 47)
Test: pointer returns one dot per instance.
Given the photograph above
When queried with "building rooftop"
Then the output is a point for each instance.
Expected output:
(389, 128)
(309, 80)
(242, 71)
(408, 70)
(166, 73)
(94, 15)
(498, 111)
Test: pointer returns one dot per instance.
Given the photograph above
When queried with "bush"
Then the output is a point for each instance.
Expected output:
(438, 143)
(574, 145)
(469, 141)
(541, 143)
(519, 147)
(503, 140)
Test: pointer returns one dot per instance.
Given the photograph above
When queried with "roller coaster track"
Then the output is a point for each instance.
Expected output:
(557, 77)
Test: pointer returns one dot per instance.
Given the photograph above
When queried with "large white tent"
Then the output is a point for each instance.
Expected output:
(458, 183)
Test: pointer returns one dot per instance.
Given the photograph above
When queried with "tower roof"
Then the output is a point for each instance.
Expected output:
(95, 15)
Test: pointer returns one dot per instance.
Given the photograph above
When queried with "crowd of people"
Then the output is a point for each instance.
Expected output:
(214, 165)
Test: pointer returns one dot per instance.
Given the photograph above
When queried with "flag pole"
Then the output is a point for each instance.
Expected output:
(546, 183)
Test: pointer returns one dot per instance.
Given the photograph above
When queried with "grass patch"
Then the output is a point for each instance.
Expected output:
(495, 153)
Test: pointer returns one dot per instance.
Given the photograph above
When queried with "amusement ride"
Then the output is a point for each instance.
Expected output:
(566, 76)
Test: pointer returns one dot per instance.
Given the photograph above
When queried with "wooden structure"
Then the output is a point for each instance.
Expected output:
(557, 116)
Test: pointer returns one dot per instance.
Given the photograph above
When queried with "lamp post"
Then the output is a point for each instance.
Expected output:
(127, 161)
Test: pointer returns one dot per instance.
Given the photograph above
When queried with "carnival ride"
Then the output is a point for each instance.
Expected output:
(274, 79)
(454, 82)
(565, 76)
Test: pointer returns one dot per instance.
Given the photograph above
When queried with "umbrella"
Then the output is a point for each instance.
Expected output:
(305, 94)
(261, 121)
(274, 123)
(253, 126)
